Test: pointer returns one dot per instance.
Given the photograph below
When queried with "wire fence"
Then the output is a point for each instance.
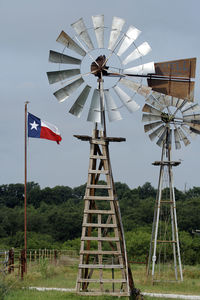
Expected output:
(12, 260)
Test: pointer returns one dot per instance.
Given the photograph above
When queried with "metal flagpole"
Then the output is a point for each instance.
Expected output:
(25, 182)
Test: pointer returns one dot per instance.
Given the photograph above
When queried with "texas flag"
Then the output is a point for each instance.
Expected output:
(42, 129)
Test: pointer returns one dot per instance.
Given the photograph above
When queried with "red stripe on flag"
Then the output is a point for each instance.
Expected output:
(46, 133)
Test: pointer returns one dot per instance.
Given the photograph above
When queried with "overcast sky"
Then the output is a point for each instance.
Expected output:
(28, 30)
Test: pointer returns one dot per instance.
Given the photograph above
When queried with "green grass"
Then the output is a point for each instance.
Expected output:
(53, 295)
(64, 276)
(190, 285)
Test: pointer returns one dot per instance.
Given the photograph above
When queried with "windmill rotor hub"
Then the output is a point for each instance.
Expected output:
(99, 67)
(166, 118)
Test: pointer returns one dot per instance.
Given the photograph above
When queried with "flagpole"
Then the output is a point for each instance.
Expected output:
(25, 183)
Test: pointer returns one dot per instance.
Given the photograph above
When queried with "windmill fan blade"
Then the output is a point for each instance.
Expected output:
(140, 89)
(140, 51)
(181, 103)
(149, 109)
(141, 69)
(174, 101)
(188, 131)
(185, 104)
(81, 30)
(167, 100)
(154, 102)
(57, 76)
(193, 126)
(60, 58)
(159, 98)
(170, 138)
(183, 137)
(130, 104)
(195, 107)
(162, 138)
(151, 126)
(177, 139)
(98, 22)
(94, 114)
(156, 133)
(67, 41)
(77, 107)
(130, 36)
(117, 25)
(113, 113)
(192, 118)
(63, 93)
(150, 118)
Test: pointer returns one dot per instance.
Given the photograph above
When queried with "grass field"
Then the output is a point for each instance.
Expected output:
(64, 276)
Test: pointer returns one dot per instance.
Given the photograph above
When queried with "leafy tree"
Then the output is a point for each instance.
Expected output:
(147, 190)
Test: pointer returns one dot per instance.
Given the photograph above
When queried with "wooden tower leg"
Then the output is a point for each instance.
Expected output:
(103, 266)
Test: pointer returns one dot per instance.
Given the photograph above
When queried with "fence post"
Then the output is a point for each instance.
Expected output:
(23, 263)
(11, 261)
(30, 256)
(55, 256)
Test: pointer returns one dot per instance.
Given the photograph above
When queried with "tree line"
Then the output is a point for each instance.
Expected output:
(54, 217)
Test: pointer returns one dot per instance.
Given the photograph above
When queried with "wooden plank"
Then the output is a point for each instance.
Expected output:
(103, 280)
(99, 211)
(89, 266)
(95, 293)
(98, 142)
(159, 241)
(98, 156)
(107, 239)
(98, 186)
(82, 137)
(106, 172)
(99, 225)
(112, 252)
(106, 198)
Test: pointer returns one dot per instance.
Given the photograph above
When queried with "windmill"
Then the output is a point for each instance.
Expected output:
(169, 121)
(101, 71)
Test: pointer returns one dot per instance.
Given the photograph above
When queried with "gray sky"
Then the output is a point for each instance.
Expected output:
(28, 30)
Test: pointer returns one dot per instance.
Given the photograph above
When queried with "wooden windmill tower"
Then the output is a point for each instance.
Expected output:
(103, 266)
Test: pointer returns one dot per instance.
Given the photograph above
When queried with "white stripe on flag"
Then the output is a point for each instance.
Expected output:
(50, 126)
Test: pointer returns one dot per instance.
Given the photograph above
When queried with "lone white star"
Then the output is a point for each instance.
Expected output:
(34, 125)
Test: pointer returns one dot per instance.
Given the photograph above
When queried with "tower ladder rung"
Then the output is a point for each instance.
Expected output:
(102, 280)
(100, 252)
(103, 239)
(100, 293)
(99, 198)
(98, 142)
(98, 156)
(160, 241)
(99, 211)
(89, 266)
(100, 225)
(106, 172)
(98, 186)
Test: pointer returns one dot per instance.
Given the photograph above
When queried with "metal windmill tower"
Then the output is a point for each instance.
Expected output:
(103, 266)
(170, 120)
